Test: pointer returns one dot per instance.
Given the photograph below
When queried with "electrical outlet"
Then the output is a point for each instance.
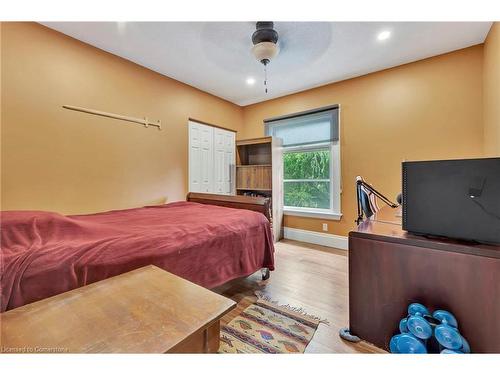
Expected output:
(325, 227)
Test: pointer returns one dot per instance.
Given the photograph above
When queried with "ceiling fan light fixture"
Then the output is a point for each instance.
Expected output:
(265, 45)
(265, 51)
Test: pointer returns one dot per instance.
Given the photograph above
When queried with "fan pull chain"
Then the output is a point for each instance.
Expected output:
(265, 78)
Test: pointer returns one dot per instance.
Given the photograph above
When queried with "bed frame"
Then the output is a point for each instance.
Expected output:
(258, 204)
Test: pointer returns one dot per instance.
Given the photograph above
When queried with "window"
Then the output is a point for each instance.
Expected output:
(307, 178)
(311, 162)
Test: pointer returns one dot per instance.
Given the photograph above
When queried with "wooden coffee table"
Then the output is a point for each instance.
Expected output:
(147, 310)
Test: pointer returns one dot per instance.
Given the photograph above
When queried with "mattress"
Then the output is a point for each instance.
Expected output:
(46, 253)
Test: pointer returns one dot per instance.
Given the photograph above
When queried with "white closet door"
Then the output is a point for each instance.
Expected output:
(194, 157)
(219, 137)
(211, 159)
(229, 162)
(200, 158)
(224, 161)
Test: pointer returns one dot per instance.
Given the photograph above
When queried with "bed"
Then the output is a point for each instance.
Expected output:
(208, 239)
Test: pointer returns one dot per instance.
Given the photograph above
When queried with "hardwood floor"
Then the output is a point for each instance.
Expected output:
(308, 276)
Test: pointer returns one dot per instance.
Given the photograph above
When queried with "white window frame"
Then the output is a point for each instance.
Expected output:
(334, 212)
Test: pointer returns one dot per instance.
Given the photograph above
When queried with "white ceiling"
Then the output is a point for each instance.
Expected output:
(215, 56)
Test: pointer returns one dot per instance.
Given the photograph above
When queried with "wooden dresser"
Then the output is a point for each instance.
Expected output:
(147, 310)
(390, 268)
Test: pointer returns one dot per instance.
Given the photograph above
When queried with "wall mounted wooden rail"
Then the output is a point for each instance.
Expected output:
(145, 122)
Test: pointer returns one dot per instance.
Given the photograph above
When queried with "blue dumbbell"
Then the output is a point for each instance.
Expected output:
(445, 317)
(449, 351)
(417, 309)
(393, 344)
(419, 327)
(416, 323)
(448, 337)
(403, 325)
(447, 333)
(406, 343)
(465, 345)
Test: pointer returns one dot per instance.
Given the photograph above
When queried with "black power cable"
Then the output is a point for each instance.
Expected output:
(496, 216)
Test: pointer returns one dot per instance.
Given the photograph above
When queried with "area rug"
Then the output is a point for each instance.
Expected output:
(265, 327)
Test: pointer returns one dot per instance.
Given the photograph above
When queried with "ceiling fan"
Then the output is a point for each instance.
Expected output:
(265, 45)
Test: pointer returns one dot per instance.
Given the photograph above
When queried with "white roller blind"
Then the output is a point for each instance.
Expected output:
(305, 128)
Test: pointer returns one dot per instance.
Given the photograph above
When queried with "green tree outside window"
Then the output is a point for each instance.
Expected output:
(307, 179)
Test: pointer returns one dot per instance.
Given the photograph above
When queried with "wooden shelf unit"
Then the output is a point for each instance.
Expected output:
(254, 177)
(259, 172)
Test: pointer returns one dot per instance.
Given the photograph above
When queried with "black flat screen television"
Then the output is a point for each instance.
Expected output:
(453, 198)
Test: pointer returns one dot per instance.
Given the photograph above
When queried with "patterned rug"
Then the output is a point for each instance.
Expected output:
(265, 327)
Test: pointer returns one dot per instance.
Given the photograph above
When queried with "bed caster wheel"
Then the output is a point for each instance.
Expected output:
(265, 273)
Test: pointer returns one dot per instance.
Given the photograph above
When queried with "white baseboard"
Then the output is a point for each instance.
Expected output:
(324, 239)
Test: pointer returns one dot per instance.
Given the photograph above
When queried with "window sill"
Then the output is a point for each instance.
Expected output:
(313, 214)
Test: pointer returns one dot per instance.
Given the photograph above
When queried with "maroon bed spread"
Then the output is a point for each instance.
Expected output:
(45, 253)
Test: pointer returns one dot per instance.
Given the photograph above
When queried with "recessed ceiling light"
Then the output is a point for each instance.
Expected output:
(384, 35)
(250, 81)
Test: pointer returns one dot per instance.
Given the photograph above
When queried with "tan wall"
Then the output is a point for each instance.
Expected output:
(430, 109)
(70, 162)
(59, 160)
(491, 92)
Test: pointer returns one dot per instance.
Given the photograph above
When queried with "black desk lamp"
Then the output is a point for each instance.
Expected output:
(364, 205)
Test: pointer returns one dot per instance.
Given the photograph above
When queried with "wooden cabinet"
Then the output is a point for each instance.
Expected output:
(254, 177)
(259, 172)
(390, 268)
(147, 310)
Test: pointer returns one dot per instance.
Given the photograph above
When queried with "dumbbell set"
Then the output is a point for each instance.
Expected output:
(421, 332)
